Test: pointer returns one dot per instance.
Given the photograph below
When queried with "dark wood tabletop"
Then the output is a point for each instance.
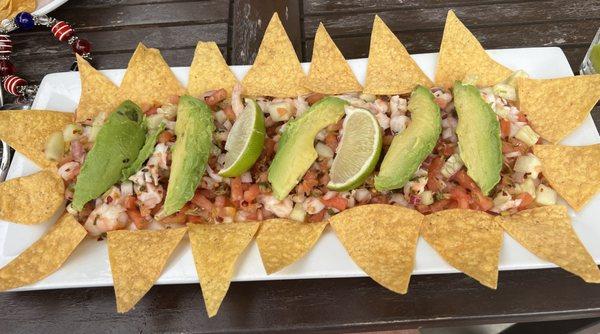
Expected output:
(324, 305)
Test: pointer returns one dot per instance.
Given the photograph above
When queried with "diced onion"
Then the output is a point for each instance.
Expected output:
(452, 165)
(298, 213)
(220, 116)
(246, 177)
(505, 91)
(280, 111)
(55, 146)
(527, 186)
(527, 135)
(324, 151)
(545, 195)
(71, 132)
(528, 164)
(367, 97)
(362, 195)
(426, 197)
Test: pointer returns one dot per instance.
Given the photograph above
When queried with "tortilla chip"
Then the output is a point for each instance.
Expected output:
(28, 130)
(137, 259)
(391, 70)
(148, 79)
(209, 71)
(31, 199)
(329, 72)
(572, 171)
(98, 93)
(282, 242)
(468, 240)
(276, 70)
(10, 8)
(381, 239)
(461, 55)
(45, 256)
(547, 232)
(556, 107)
(216, 248)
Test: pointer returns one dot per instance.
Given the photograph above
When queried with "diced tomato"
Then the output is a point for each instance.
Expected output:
(465, 180)
(441, 102)
(380, 199)
(504, 127)
(433, 173)
(130, 202)
(336, 202)
(459, 194)
(165, 137)
(445, 149)
(440, 205)
(317, 217)
(331, 141)
(136, 218)
(526, 200)
(151, 111)
(521, 118)
(228, 110)
(237, 192)
(176, 218)
(220, 201)
(202, 202)
(174, 99)
(314, 98)
(194, 219)
(484, 203)
(507, 147)
(424, 209)
(216, 97)
(252, 192)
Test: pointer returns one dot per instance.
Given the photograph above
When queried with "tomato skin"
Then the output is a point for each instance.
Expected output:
(465, 180)
(194, 219)
(176, 218)
(165, 137)
(137, 219)
(202, 202)
(459, 194)
(440, 205)
(217, 96)
(252, 192)
(130, 202)
(314, 98)
(237, 192)
(433, 173)
(336, 202)
(317, 217)
(526, 200)
(504, 127)
(484, 203)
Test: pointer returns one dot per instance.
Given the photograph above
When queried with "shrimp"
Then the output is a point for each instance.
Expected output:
(236, 99)
(106, 217)
(151, 196)
(281, 209)
(69, 171)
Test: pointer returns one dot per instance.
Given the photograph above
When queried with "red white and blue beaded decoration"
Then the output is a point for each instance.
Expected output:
(61, 30)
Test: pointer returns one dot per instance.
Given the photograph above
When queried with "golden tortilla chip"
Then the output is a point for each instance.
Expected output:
(209, 71)
(45, 256)
(98, 93)
(137, 259)
(461, 55)
(216, 248)
(10, 8)
(572, 171)
(28, 130)
(381, 239)
(329, 72)
(31, 199)
(148, 80)
(391, 70)
(276, 70)
(470, 241)
(547, 232)
(556, 107)
(282, 242)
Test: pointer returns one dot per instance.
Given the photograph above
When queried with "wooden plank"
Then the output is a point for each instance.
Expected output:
(173, 37)
(505, 14)
(250, 19)
(107, 3)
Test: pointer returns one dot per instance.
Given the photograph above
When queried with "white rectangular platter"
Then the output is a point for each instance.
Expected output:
(89, 267)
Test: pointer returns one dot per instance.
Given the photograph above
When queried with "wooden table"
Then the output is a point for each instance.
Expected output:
(115, 26)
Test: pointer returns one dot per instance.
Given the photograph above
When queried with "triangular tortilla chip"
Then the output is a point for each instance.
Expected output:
(45, 256)
(282, 242)
(137, 259)
(31, 199)
(276, 70)
(209, 71)
(148, 79)
(556, 107)
(572, 171)
(462, 55)
(28, 130)
(391, 70)
(547, 232)
(381, 239)
(216, 249)
(98, 93)
(329, 72)
(468, 240)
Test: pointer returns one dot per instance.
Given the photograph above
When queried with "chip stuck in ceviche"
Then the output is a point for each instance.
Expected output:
(282, 242)
(209, 71)
(468, 240)
(98, 93)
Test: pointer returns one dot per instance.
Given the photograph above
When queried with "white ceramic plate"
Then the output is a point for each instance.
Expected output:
(89, 267)
(46, 6)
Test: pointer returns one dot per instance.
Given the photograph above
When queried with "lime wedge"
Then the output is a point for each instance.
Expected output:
(245, 140)
(595, 57)
(358, 152)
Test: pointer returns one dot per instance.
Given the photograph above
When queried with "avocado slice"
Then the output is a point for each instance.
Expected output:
(117, 145)
(296, 151)
(478, 134)
(411, 147)
(194, 130)
(145, 152)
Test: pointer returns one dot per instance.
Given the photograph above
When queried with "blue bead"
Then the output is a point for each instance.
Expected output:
(24, 21)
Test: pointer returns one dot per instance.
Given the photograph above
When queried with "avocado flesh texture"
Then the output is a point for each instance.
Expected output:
(145, 152)
(411, 147)
(296, 151)
(116, 147)
(194, 128)
(478, 134)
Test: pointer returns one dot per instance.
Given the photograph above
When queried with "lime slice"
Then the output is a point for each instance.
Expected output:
(358, 152)
(245, 140)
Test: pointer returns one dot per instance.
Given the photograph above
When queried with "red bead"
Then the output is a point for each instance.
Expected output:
(6, 68)
(82, 46)
(62, 31)
(5, 45)
(12, 83)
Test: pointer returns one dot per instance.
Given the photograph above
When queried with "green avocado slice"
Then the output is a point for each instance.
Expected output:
(191, 151)
(117, 145)
(411, 147)
(478, 134)
(296, 151)
(144, 153)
